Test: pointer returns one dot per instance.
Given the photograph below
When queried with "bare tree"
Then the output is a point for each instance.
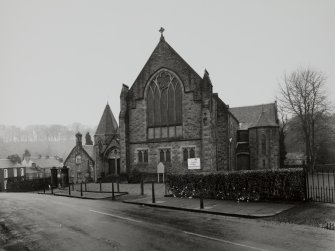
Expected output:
(282, 135)
(302, 94)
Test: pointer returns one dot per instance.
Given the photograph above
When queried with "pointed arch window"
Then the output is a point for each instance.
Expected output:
(164, 106)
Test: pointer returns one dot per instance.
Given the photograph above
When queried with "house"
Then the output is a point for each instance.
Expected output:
(39, 166)
(170, 114)
(80, 162)
(10, 170)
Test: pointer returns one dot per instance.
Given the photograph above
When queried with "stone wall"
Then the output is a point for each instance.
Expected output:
(176, 166)
(259, 159)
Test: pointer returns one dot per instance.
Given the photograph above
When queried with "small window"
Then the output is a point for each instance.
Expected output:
(165, 155)
(188, 153)
(78, 159)
(185, 154)
(161, 156)
(5, 173)
(22, 171)
(15, 172)
(192, 153)
(142, 156)
(146, 156)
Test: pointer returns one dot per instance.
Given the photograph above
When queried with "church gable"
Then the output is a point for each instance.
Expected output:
(164, 56)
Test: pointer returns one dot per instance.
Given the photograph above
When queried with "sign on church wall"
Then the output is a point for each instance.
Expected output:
(193, 163)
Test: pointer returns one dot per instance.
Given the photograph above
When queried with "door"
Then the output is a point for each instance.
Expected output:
(243, 162)
(118, 166)
(111, 166)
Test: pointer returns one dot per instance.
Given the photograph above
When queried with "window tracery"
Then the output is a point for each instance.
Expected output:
(164, 106)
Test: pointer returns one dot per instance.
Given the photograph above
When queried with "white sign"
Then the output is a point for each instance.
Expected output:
(193, 163)
(160, 168)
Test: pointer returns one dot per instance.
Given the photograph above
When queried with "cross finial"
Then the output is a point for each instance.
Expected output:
(161, 30)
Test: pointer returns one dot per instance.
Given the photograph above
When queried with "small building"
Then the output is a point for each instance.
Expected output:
(81, 162)
(257, 144)
(10, 170)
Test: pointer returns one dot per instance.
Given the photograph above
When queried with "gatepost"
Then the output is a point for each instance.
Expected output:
(54, 178)
(65, 176)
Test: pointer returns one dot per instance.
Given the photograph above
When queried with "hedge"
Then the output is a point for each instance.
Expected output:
(18, 185)
(260, 185)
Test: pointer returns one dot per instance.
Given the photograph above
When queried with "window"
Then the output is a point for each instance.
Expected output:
(165, 155)
(142, 156)
(22, 171)
(188, 153)
(164, 106)
(15, 172)
(5, 173)
(263, 142)
(78, 159)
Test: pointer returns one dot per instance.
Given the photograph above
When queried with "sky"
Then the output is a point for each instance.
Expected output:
(61, 61)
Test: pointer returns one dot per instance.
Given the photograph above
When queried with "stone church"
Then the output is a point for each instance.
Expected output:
(170, 114)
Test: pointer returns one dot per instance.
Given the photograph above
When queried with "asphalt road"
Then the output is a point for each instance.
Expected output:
(44, 222)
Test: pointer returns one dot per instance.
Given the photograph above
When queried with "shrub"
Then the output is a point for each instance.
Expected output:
(255, 185)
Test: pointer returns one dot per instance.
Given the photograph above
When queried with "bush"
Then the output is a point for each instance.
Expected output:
(282, 184)
(135, 176)
(21, 185)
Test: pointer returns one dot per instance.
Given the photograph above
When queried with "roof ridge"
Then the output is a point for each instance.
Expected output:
(272, 103)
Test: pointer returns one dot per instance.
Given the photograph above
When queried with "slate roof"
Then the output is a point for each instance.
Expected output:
(89, 149)
(43, 162)
(255, 116)
(107, 124)
(6, 163)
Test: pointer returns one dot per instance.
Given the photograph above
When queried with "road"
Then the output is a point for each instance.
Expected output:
(44, 222)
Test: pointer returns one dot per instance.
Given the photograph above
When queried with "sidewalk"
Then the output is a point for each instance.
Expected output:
(130, 193)
(219, 207)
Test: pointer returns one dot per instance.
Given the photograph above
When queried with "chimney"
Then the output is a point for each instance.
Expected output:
(79, 139)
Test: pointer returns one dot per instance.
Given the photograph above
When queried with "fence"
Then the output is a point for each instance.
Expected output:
(320, 184)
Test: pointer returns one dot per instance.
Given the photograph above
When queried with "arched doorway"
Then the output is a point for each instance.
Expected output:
(114, 166)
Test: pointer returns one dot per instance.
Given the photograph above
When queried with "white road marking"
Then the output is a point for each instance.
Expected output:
(115, 216)
(221, 240)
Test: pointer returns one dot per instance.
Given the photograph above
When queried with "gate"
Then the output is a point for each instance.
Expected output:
(320, 184)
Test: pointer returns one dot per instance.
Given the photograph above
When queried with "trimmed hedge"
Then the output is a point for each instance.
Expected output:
(281, 184)
(18, 185)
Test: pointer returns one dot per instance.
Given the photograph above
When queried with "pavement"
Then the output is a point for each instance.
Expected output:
(219, 207)
(131, 194)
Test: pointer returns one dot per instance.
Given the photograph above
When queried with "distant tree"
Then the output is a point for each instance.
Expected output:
(302, 94)
(88, 139)
(26, 153)
(15, 158)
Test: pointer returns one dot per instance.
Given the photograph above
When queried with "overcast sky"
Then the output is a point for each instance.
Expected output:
(61, 61)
